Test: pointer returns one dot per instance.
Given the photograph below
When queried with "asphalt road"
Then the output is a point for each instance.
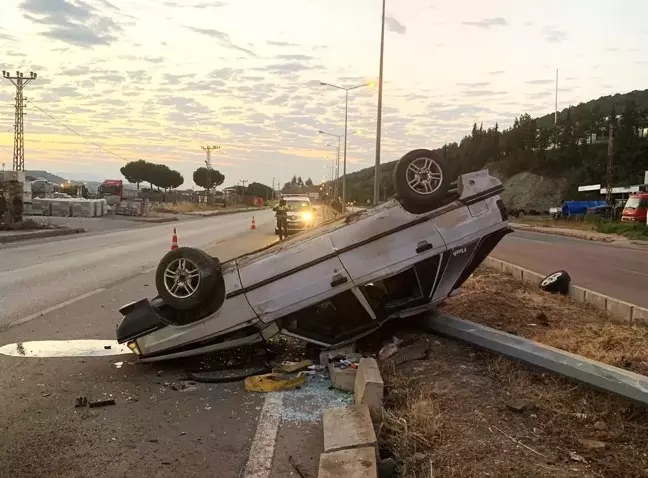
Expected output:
(160, 425)
(617, 271)
(37, 275)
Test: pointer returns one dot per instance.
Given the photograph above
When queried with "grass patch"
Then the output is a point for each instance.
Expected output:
(500, 301)
(589, 224)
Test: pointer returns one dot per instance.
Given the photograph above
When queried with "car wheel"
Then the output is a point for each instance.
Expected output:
(556, 283)
(185, 277)
(421, 181)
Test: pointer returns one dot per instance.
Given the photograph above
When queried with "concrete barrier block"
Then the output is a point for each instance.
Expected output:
(346, 428)
(619, 308)
(343, 378)
(356, 463)
(369, 386)
(596, 299)
(577, 293)
(493, 263)
(640, 314)
(531, 277)
(513, 270)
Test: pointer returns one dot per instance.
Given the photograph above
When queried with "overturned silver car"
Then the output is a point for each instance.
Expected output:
(333, 284)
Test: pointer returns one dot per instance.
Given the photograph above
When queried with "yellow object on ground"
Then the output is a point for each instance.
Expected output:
(274, 382)
(292, 367)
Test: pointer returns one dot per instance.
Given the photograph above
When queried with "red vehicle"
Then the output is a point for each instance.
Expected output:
(635, 209)
(115, 188)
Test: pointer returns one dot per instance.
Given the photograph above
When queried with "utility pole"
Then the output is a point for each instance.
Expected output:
(208, 164)
(244, 181)
(608, 189)
(376, 188)
(19, 81)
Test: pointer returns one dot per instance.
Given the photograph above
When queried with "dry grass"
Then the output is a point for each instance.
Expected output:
(500, 301)
(455, 410)
(452, 411)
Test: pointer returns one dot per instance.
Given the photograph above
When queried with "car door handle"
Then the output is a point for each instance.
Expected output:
(423, 246)
(338, 279)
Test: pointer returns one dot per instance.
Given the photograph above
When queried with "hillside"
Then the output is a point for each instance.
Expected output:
(543, 161)
(45, 175)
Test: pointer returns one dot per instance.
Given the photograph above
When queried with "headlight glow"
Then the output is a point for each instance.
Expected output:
(308, 216)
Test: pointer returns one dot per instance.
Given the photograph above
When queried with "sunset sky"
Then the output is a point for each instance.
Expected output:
(157, 79)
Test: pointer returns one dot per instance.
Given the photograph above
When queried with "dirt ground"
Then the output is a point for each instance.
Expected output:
(468, 413)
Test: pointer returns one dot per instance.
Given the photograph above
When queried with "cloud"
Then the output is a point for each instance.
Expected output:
(73, 21)
(281, 43)
(295, 57)
(553, 35)
(223, 39)
(479, 84)
(488, 22)
(394, 25)
(496, 72)
(540, 82)
(483, 93)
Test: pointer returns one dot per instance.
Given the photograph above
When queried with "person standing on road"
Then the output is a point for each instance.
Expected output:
(281, 213)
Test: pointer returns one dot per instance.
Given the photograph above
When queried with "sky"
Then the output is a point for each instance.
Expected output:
(121, 80)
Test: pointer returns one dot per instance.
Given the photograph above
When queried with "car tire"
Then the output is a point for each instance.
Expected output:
(421, 181)
(185, 277)
(556, 283)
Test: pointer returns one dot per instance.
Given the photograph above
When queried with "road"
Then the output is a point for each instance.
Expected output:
(160, 425)
(616, 271)
(36, 276)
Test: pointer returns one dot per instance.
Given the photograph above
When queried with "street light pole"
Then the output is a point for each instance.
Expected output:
(376, 194)
(346, 115)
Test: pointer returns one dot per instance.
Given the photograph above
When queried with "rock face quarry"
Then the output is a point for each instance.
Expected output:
(529, 191)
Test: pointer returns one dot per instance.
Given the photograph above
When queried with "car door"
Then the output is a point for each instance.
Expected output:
(384, 242)
(293, 276)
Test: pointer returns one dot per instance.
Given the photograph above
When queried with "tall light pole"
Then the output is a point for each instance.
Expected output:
(336, 190)
(346, 117)
(335, 163)
(376, 194)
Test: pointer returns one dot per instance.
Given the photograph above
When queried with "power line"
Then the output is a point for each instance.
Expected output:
(76, 132)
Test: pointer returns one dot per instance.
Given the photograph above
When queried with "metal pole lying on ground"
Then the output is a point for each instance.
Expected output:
(599, 375)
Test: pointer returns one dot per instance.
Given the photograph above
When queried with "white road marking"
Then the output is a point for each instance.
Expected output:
(55, 307)
(259, 463)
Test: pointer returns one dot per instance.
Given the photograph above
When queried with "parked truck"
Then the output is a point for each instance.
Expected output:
(635, 208)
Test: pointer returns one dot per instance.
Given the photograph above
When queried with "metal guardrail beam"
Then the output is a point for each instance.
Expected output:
(599, 375)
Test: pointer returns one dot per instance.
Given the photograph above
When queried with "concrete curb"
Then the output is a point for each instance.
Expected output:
(574, 234)
(618, 308)
(156, 220)
(350, 443)
(40, 234)
(225, 213)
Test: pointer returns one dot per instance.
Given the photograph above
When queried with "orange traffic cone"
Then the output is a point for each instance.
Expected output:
(174, 240)
(253, 225)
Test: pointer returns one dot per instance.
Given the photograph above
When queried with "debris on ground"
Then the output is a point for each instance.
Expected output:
(274, 382)
(84, 402)
(415, 351)
(292, 367)
(101, 403)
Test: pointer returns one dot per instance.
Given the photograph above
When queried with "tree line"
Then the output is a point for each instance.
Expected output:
(158, 175)
(575, 147)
